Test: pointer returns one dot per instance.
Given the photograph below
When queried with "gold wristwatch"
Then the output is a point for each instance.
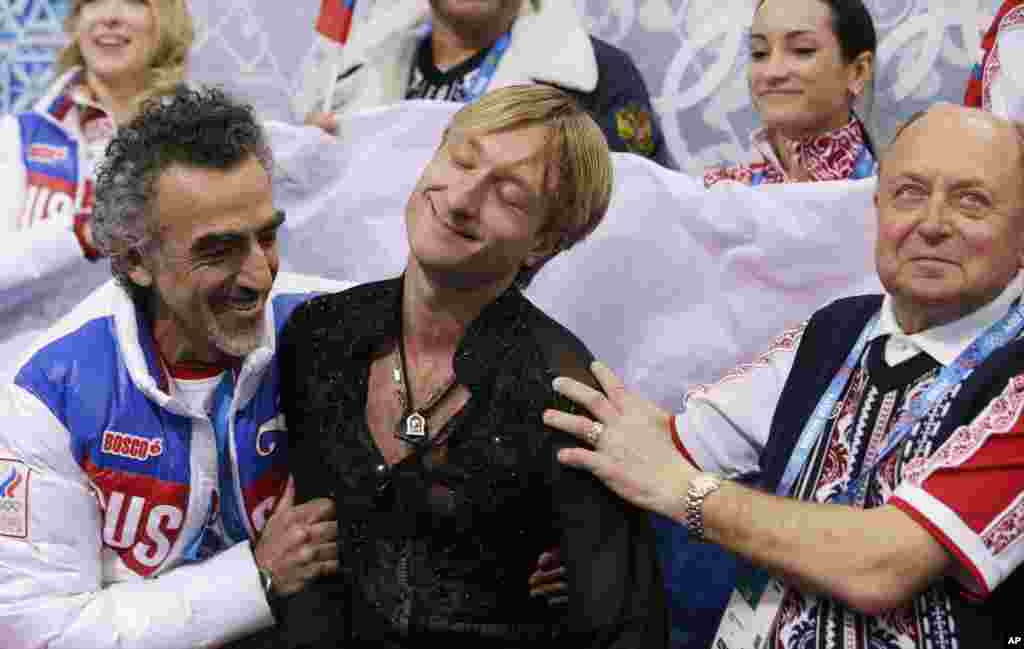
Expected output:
(701, 486)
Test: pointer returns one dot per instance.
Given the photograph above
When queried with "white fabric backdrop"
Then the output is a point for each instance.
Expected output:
(692, 54)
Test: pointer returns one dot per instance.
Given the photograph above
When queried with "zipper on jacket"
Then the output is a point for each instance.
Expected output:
(403, 612)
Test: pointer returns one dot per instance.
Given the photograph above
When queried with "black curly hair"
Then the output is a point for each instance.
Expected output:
(193, 127)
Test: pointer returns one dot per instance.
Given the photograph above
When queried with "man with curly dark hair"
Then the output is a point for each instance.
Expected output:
(141, 445)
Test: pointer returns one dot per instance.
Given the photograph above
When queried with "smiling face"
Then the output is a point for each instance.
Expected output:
(799, 83)
(117, 39)
(950, 226)
(478, 212)
(215, 263)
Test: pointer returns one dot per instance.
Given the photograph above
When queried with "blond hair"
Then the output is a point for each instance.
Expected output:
(174, 40)
(578, 163)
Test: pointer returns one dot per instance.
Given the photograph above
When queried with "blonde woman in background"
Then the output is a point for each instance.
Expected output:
(120, 53)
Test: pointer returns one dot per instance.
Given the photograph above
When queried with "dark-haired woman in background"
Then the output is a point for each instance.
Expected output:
(811, 62)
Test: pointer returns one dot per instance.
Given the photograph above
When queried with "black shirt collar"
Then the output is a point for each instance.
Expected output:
(372, 318)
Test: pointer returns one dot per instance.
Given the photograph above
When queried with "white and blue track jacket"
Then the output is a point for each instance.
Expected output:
(107, 480)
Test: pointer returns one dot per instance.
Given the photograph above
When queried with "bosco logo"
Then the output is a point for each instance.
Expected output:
(47, 154)
(132, 446)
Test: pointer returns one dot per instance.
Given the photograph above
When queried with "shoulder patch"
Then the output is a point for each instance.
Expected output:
(14, 478)
(634, 125)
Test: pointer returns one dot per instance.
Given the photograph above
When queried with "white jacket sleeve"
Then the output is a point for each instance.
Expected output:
(320, 63)
(32, 260)
(12, 174)
(54, 592)
(725, 426)
(1008, 86)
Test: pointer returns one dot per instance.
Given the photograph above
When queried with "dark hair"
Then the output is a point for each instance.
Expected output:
(201, 128)
(853, 27)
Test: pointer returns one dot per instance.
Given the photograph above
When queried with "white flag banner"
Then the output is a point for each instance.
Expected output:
(677, 285)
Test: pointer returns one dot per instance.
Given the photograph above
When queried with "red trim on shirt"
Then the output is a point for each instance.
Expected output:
(945, 542)
(195, 370)
(677, 440)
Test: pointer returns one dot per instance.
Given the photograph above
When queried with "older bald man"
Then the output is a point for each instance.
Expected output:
(888, 429)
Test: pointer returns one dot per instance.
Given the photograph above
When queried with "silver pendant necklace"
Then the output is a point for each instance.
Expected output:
(412, 425)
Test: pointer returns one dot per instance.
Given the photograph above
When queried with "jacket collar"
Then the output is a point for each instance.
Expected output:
(946, 342)
(549, 45)
(58, 101)
(372, 319)
(829, 156)
(133, 330)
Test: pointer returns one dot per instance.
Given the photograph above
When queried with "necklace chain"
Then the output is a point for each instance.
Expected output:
(412, 426)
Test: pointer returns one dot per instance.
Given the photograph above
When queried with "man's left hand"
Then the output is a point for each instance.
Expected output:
(633, 453)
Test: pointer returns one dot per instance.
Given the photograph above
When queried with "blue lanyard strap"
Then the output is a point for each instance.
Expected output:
(487, 69)
(228, 508)
(866, 166)
(996, 336)
(823, 411)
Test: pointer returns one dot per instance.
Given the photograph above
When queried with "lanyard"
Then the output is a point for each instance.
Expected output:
(823, 411)
(227, 509)
(221, 418)
(996, 336)
(865, 166)
(486, 71)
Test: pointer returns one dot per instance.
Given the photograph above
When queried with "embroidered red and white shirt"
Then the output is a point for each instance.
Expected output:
(966, 489)
(829, 156)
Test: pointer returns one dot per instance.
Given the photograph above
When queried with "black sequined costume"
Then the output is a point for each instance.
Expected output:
(438, 553)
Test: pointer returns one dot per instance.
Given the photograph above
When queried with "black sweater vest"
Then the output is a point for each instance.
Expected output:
(827, 340)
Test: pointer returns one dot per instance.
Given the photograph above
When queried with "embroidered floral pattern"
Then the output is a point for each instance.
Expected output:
(785, 342)
(1009, 527)
(831, 156)
(1013, 19)
(998, 417)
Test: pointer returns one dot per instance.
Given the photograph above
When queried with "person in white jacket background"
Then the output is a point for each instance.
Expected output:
(451, 50)
(120, 52)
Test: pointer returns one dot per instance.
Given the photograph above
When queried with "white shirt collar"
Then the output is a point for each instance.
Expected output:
(945, 342)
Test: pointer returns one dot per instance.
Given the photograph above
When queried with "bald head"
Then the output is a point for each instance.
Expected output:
(956, 116)
(950, 214)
